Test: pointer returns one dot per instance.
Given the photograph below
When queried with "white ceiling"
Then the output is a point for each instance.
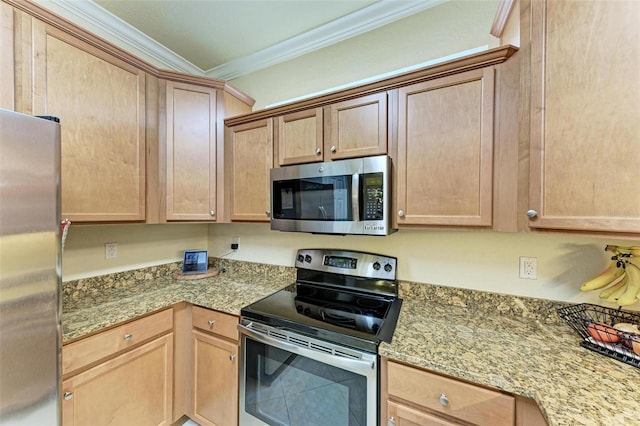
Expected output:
(229, 38)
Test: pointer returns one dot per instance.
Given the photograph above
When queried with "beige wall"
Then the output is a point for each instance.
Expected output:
(138, 246)
(446, 29)
(467, 259)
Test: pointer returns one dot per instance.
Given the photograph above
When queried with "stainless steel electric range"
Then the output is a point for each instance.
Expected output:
(310, 351)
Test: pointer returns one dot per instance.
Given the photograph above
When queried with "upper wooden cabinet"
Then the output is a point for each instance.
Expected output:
(190, 152)
(357, 127)
(585, 110)
(249, 152)
(299, 137)
(445, 151)
(100, 101)
(347, 129)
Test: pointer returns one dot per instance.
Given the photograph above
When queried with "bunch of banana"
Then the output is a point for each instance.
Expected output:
(621, 280)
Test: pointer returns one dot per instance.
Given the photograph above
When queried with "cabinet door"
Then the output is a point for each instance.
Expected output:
(251, 159)
(191, 152)
(400, 415)
(357, 127)
(7, 88)
(133, 388)
(585, 109)
(445, 151)
(299, 137)
(100, 101)
(215, 382)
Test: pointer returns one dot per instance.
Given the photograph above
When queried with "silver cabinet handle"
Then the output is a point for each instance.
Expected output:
(212, 212)
(318, 151)
(333, 148)
(128, 337)
(401, 213)
(532, 214)
(67, 396)
(232, 357)
(443, 400)
(268, 213)
(391, 421)
(211, 322)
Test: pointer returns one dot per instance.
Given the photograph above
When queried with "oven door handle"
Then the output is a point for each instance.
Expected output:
(338, 361)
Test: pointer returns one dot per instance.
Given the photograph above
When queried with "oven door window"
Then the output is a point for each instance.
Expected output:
(282, 388)
(325, 198)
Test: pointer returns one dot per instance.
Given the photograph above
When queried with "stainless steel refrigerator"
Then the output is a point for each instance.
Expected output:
(30, 270)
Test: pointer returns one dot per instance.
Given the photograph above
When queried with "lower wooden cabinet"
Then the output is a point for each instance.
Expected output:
(215, 368)
(400, 415)
(416, 397)
(133, 388)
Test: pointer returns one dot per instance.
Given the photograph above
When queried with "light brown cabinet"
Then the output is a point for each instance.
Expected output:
(215, 368)
(445, 151)
(442, 399)
(299, 137)
(107, 377)
(401, 415)
(357, 127)
(347, 129)
(100, 101)
(249, 158)
(585, 104)
(190, 152)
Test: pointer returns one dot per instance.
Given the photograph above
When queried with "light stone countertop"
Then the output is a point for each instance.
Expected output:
(572, 385)
(522, 356)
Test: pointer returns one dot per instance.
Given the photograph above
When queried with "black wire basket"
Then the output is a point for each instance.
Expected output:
(595, 325)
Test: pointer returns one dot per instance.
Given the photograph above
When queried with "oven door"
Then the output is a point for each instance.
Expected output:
(290, 379)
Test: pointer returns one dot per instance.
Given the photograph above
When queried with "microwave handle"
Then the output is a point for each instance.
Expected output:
(355, 196)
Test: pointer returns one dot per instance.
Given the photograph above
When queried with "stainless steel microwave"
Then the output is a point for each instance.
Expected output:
(337, 197)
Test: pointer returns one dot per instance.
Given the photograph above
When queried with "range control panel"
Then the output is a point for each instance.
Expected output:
(368, 265)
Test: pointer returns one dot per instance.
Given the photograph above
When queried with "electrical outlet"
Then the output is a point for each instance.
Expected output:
(529, 268)
(235, 243)
(110, 250)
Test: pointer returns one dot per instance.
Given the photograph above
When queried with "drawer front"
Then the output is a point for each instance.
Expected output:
(215, 322)
(458, 399)
(86, 351)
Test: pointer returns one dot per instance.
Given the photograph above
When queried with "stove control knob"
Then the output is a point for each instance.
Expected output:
(299, 308)
(307, 311)
(376, 266)
(307, 259)
(300, 258)
(388, 267)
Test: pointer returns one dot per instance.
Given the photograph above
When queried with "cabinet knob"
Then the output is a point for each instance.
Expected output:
(232, 357)
(268, 213)
(318, 151)
(67, 396)
(212, 212)
(391, 421)
(401, 213)
(128, 337)
(333, 148)
(443, 400)
(532, 214)
(211, 322)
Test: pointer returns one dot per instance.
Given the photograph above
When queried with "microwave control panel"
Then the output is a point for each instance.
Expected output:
(373, 196)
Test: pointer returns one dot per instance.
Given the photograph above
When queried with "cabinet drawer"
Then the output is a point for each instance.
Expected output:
(215, 322)
(87, 351)
(461, 400)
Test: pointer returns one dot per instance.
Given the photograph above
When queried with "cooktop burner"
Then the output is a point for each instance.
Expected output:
(343, 297)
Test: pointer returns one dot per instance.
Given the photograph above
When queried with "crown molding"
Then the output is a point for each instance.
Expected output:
(500, 20)
(124, 33)
(369, 18)
(359, 22)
